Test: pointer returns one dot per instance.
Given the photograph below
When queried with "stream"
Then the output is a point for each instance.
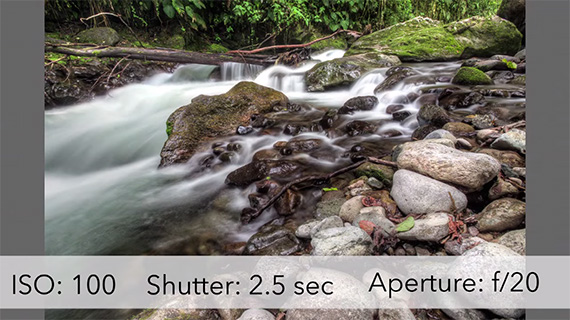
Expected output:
(104, 194)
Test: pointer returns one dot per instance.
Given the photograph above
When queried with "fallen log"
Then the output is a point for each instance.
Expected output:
(165, 55)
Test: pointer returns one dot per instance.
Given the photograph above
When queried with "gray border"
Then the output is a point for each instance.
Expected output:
(21, 134)
(548, 114)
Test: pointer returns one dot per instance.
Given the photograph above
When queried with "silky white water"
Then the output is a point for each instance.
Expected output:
(104, 193)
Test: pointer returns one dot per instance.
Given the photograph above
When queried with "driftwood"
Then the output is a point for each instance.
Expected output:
(249, 214)
(165, 55)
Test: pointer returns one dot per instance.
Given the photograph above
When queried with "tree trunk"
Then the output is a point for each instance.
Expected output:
(166, 55)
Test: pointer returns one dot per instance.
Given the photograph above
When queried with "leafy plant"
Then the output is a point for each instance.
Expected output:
(511, 65)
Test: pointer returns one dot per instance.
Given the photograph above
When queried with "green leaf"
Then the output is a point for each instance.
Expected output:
(329, 189)
(267, 178)
(169, 11)
(406, 225)
(189, 11)
(510, 64)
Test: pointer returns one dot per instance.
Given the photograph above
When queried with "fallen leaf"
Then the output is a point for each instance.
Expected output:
(367, 226)
(406, 225)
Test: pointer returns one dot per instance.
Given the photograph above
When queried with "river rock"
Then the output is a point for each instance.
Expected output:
(258, 170)
(358, 127)
(457, 248)
(503, 214)
(351, 208)
(414, 144)
(432, 227)
(515, 139)
(424, 39)
(330, 204)
(510, 158)
(470, 76)
(394, 76)
(432, 114)
(514, 240)
(344, 71)
(379, 220)
(401, 115)
(460, 99)
(521, 55)
(304, 230)
(422, 131)
(326, 314)
(272, 240)
(520, 171)
(514, 11)
(257, 314)
(344, 241)
(326, 223)
(465, 314)
(103, 35)
(207, 117)
(502, 188)
(416, 193)
(383, 173)
(470, 170)
(363, 103)
(403, 313)
(288, 203)
(491, 64)
(441, 134)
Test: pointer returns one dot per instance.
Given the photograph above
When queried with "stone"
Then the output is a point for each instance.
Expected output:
(515, 12)
(394, 76)
(514, 240)
(401, 115)
(424, 39)
(383, 173)
(456, 248)
(257, 314)
(422, 131)
(326, 223)
(351, 208)
(433, 115)
(258, 170)
(272, 240)
(343, 241)
(460, 99)
(521, 55)
(467, 169)
(375, 183)
(458, 128)
(288, 203)
(484, 121)
(502, 188)
(330, 207)
(213, 116)
(441, 134)
(304, 230)
(103, 35)
(464, 144)
(416, 193)
(514, 139)
(520, 171)
(500, 215)
(432, 227)
(510, 158)
(346, 70)
(364, 103)
(469, 76)
(358, 127)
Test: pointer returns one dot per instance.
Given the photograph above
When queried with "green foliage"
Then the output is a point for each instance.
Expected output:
(406, 225)
(511, 65)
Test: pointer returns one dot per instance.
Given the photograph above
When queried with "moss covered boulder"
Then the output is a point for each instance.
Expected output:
(424, 39)
(104, 36)
(469, 76)
(207, 117)
(346, 70)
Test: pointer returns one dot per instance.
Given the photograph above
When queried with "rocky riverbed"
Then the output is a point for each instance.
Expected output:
(436, 137)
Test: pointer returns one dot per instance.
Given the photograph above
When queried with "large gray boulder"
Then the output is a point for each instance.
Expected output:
(470, 170)
(416, 193)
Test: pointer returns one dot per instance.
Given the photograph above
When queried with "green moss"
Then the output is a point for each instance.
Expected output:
(336, 43)
(471, 76)
(371, 170)
(175, 42)
(216, 48)
(169, 127)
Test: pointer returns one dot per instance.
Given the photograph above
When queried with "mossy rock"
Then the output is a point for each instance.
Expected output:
(207, 117)
(424, 39)
(331, 43)
(105, 36)
(175, 42)
(470, 76)
(216, 48)
(344, 71)
(519, 80)
(383, 173)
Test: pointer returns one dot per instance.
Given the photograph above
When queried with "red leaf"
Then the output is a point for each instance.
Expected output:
(367, 226)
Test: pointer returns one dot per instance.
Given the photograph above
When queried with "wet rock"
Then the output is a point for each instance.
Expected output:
(258, 170)
(422, 131)
(464, 144)
(470, 170)
(492, 64)
(394, 78)
(344, 241)
(501, 76)
(515, 12)
(234, 146)
(510, 158)
(351, 208)
(260, 121)
(228, 157)
(521, 55)
(503, 92)
(441, 134)
(257, 314)
(519, 80)
(461, 99)
(457, 248)
(304, 230)
(358, 127)
(288, 203)
(401, 115)
(266, 154)
(375, 183)
(416, 193)
(419, 80)
(344, 71)
(243, 130)
(363, 103)
(433, 227)
(304, 145)
(500, 215)
(424, 39)
(104, 36)
(393, 108)
(514, 240)
(372, 170)
(218, 150)
(257, 200)
(502, 188)
(469, 76)
(482, 121)
(326, 223)
(272, 240)
(212, 116)
(458, 128)
(514, 139)
(328, 120)
(432, 114)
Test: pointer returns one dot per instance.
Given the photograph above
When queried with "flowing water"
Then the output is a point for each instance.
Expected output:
(105, 195)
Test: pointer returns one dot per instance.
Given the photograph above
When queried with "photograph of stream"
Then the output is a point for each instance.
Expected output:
(273, 128)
